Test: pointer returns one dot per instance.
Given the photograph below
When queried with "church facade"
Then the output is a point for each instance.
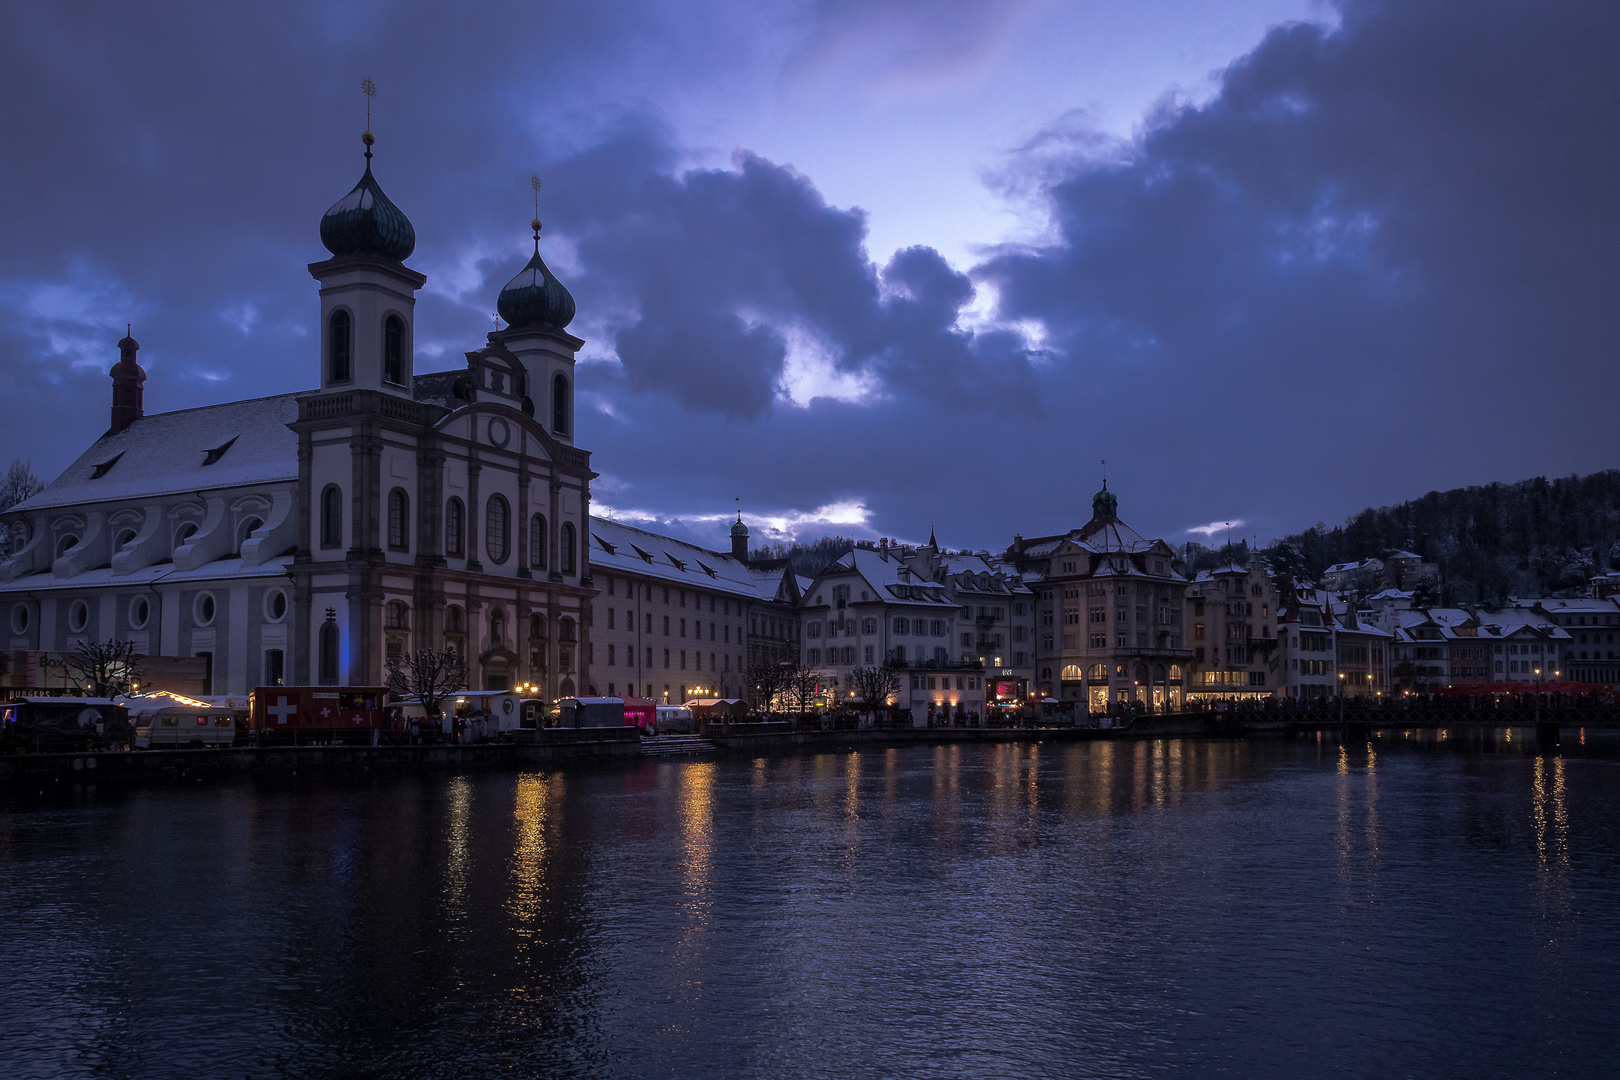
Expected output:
(309, 538)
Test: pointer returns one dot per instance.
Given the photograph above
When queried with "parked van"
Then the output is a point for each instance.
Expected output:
(675, 720)
(168, 721)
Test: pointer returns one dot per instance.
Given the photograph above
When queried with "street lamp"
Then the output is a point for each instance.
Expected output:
(1341, 699)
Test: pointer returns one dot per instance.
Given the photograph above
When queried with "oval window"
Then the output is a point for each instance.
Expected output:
(203, 608)
(140, 609)
(78, 615)
(20, 619)
(275, 605)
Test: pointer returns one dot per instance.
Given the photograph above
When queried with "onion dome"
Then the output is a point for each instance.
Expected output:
(365, 222)
(535, 298)
(739, 529)
(1105, 504)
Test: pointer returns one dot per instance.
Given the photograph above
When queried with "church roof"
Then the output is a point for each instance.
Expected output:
(366, 222)
(215, 446)
(535, 298)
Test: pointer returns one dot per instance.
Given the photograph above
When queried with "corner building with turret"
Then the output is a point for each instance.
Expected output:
(1109, 613)
(308, 538)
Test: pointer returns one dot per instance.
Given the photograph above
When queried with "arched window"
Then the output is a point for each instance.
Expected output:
(537, 542)
(125, 538)
(184, 533)
(396, 616)
(1097, 673)
(452, 620)
(399, 520)
(66, 544)
(455, 528)
(565, 629)
(560, 410)
(329, 653)
(1071, 671)
(537, 625)
(566, 544)
(394, 350)
(245, 533)
(340, 345)
(332, 517)
(498, 529)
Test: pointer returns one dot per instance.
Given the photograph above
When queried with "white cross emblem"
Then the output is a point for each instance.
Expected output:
(281, 710)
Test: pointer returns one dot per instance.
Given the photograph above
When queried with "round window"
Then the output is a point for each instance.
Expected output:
(275, 605)
(78, 615)
(203, 608)
(140, 609)
(20, 619)
(126, 538)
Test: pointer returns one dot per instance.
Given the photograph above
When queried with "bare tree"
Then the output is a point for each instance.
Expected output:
(874, 685)
(18, 484)
(103, 668)
(767, 680)
(803, 684)
(427, 677)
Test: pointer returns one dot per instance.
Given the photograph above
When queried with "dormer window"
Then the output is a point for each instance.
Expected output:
(106, 466)
(218, 452)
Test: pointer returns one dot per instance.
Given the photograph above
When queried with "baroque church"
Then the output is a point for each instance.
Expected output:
(308, 538)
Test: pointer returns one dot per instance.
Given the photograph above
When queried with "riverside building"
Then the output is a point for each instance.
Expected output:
(310, 537)
(673, 621)
(1109, 607)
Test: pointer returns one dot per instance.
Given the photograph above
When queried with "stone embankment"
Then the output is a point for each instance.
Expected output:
(554, 747)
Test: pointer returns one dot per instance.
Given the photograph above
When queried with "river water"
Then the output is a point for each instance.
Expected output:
(1408, 905)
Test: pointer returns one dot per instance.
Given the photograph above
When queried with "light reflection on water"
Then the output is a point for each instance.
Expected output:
(1410, 903)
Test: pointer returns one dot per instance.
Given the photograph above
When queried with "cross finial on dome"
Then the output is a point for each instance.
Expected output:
(368, 88)
(534, 182)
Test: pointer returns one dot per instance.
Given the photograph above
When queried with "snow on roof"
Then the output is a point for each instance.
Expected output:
(888, 576)
(1580, 604)
(629, 550)
(227, 569)
(215, 446)
(1406, 555)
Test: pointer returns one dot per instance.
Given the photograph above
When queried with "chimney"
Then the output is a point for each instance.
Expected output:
(127, 378)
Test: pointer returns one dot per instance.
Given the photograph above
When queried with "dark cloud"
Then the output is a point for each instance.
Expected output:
(1388, 251)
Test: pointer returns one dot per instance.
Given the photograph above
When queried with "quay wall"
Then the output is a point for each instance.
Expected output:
(557, 747)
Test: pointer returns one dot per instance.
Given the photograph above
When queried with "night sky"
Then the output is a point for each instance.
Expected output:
(870, 266)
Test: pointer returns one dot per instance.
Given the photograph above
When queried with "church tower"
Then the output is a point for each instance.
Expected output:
(368, 294)
(537, 310)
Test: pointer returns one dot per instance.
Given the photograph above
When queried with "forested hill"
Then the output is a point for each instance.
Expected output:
(1533, 538)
